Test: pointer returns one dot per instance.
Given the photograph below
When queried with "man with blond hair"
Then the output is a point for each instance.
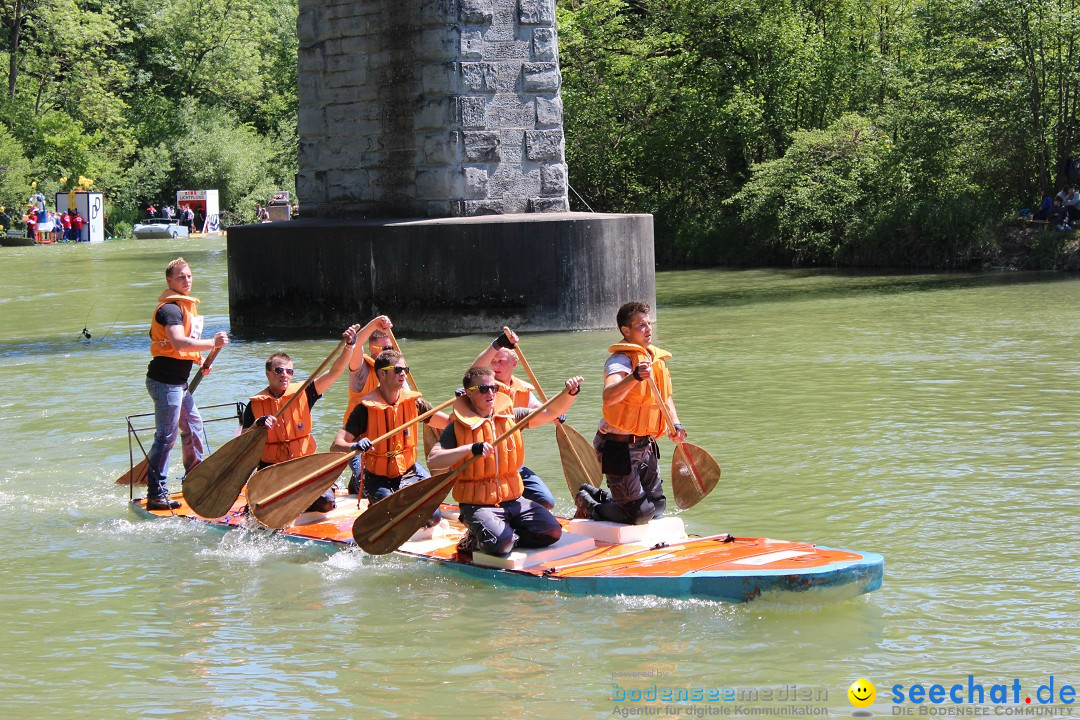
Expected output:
(176, 343)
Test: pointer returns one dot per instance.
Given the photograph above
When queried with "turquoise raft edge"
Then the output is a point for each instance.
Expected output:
(852, 578)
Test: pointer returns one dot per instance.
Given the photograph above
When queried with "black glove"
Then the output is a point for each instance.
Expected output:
(561, 418)
(478, 449)
(363, 444)
(460, 392)
(502, 342)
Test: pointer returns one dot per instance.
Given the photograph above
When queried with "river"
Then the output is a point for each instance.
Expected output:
(930, 418)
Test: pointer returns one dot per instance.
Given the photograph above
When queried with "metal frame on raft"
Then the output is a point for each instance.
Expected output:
(133, 433)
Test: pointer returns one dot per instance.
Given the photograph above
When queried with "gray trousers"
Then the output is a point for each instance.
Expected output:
(632, 470)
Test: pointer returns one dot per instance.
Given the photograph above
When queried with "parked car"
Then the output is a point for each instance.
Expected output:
(159, 228)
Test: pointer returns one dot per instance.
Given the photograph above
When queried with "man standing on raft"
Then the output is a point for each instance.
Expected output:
(489, 491)
(175, 345)
(625, 442)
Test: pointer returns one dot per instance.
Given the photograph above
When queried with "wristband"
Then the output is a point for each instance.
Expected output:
(636, 376)
(679, 427)
(478, 449)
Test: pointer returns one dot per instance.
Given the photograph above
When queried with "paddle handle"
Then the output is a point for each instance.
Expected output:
(341, 459)
(393, 341)
(528, 368)
(205, 366)
(663, 405)
(453, 474)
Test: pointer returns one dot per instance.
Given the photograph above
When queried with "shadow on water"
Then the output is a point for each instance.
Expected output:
(691, 288)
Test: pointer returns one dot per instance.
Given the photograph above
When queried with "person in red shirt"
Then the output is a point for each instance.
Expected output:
(77, 226)
(65, 223)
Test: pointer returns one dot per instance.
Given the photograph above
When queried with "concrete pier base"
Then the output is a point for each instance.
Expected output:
(533, 272)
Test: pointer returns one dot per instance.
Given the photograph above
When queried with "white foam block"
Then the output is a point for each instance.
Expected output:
(663, 530)
(569, 544)
(431, 533)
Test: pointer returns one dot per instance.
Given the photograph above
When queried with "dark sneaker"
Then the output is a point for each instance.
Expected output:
(466, 546)
(600, 495)
(322, 504)
(585, 504)
(164, 503)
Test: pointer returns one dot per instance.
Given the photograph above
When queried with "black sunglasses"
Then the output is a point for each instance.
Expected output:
(485, 388)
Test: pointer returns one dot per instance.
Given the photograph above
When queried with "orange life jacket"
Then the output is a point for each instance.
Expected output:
(392, 457)
(370, 383)
(494, 479)
(518, 390)
(291, 436)
(159, 339)
(639, 413)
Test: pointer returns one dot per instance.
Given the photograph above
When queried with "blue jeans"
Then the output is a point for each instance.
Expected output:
(380, 487)
(536, 489)
(174, 412)
(498, 529)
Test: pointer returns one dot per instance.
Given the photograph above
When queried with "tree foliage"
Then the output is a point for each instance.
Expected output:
(148, 97)
(839, 131)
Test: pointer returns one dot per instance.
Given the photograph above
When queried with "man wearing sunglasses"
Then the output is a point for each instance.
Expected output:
(391, 464)
(290, 436)
(489, 491)
(362, 378)
(176, 343)
(625, 442)
(500, 356)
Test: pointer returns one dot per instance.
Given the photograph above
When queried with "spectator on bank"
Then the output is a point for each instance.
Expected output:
(77, 226)
(1045, 206)
(5, 219)
(1059, 216)
(30, 219)
(151, 211)
(65, 224)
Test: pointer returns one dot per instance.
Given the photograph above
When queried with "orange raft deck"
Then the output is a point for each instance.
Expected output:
(599, 558)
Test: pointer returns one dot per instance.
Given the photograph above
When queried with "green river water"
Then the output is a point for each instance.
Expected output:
(929, 418)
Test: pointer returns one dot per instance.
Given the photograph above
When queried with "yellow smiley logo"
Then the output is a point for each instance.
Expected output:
(862, 693)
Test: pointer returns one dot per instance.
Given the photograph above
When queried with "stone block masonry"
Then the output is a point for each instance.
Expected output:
(429, 108)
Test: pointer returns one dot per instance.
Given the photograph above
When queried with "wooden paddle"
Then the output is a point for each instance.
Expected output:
(137, 475)
(694, 473)
(580, 466)
(431, 435)
(393, 520)
(277, 494)
(213, 485)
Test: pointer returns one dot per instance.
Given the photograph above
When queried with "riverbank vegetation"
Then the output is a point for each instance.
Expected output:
(865, 133)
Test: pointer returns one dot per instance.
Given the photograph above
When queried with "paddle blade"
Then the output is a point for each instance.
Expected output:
(579, 462)
(136, 475)
(694, 474)
(431, 437)
(213, 485)
(384, 526)
(277, 494)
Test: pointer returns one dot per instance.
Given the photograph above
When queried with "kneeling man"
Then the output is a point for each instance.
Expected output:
(391, 464)
(489, 491)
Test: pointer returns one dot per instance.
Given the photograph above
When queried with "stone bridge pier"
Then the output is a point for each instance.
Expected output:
(433, 182)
